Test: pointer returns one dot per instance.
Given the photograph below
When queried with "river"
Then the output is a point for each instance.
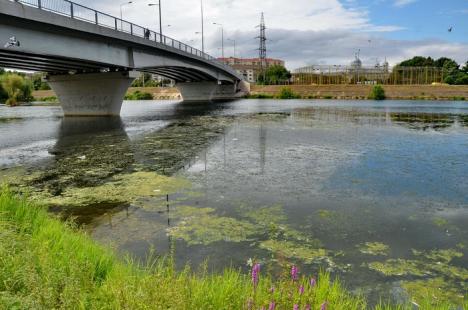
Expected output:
(374, 192)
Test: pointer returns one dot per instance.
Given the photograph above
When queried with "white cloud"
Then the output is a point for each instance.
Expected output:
(299, 31)
(402, 3)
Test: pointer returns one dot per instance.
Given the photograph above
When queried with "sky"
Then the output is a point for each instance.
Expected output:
(307, 32)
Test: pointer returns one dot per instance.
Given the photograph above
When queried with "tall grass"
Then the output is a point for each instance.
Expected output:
(48, 264)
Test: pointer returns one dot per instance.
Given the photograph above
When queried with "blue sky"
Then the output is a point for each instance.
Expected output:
(421, 19)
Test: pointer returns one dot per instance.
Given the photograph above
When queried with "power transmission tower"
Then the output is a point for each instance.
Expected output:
(262, 50)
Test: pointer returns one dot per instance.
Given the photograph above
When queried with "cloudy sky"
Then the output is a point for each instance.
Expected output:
(304, 32)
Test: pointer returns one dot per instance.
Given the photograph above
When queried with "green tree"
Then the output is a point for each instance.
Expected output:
(38, 83)
(145, 80)
(275, 75)
(377, 93)
(17, 88)
(418, 61)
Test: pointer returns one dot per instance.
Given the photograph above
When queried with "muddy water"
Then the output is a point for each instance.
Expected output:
(376, 193)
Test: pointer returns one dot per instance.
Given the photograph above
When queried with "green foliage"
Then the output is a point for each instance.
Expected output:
(288, 93)
(138, 95)
(377, 93)
(17, 88)
(145, 80)
(419, 61)
(275, 75)
(38, 83)
(260, 96)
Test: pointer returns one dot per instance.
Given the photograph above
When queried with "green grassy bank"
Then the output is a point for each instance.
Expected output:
(48, 264)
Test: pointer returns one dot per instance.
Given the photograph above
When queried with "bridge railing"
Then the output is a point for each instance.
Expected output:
(77, 11)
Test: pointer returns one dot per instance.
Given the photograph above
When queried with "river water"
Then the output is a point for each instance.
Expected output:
(375, 193)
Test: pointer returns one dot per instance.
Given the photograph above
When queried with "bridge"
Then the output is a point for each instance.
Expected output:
(91, 58)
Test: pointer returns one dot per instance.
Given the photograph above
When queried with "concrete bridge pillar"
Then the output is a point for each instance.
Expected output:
(212, 91)
(93, 94)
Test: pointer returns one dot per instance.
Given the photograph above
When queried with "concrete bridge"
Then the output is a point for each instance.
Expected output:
(91, 58)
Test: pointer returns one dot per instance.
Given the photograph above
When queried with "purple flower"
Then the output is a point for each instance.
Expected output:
(272, 290)
(307, 307)
(324, 306)
(296, 307)
(312, 282)
(272, 306)
(294, 272)
(255, 274)
(301, 289)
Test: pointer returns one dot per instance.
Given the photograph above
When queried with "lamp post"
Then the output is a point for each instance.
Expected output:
(222, 37)
(160, 19)
(234, 42)
(121, 15)
(202, 27)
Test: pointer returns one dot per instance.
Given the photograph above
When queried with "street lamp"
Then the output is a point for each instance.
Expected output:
(202, 27)
(121, 18)
(234, 42)
(222, 37)
(160, 19)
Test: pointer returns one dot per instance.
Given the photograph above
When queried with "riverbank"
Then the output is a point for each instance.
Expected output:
(50, 264)
(396, 92)
(351, 92)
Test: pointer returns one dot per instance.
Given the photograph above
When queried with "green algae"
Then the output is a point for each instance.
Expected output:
(440, 222)
(374, 248)
(294, 250)
(326, 214)
(433, 292)
(122, 188)
(264, 215)
(445, 256)
(398, 267)
(206, 228)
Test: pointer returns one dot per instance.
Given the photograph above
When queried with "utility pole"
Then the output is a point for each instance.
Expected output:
(222, 37)
(262, 50)
(160, 19)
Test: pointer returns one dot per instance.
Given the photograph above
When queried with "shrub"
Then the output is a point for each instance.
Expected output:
(287, 93)
(377, 93)
(138, 95)
(260, 96)
(17, 89)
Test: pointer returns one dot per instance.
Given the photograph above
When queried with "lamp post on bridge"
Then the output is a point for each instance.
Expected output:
(121, 15)
(222, 37)
(202, 27)
(160, 18)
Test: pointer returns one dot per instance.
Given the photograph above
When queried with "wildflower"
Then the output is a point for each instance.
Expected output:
(312, 282)
(294, 272)
(272, 290)
(301, 289)
(308, 307)
(296, 307)
(324, 306)
(272, 306)
(250, 262)
(255, 274)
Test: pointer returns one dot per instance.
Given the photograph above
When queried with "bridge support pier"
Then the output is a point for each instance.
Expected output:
(93, 94)
(212, 91)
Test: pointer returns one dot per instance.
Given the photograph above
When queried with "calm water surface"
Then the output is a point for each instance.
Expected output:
(376, 193)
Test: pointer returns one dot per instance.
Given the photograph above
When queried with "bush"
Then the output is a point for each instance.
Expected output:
(17, 88)
(377, 93)
(260, 96)
(287, 93)
(138, 95)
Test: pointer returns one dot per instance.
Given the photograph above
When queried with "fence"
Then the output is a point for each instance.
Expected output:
(83, 13)
(328, 75)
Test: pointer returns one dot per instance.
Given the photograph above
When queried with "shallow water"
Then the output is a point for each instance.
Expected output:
(376, 193)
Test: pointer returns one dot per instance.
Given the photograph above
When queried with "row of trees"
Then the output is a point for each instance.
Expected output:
(454, 74)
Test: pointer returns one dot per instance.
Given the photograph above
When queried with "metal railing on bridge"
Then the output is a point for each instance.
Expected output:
(83, 13)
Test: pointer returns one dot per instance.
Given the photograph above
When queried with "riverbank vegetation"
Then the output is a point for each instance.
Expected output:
(138, 95)
(49, 264)
(15, 89)
(453, 73)
(377, 93)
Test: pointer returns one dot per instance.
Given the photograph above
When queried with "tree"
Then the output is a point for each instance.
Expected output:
(418, 61)
(377, 93)
(17, 88)
(275, 75)
(145, 80)
(38, 82)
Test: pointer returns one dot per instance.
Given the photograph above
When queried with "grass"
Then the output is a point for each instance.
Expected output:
(49, 264)
(138, 95)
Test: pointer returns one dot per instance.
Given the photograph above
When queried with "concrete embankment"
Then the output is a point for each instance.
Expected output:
(429, 92)
(157, 92)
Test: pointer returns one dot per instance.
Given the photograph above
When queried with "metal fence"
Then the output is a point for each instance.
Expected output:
(83, 13)
(337, 74)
